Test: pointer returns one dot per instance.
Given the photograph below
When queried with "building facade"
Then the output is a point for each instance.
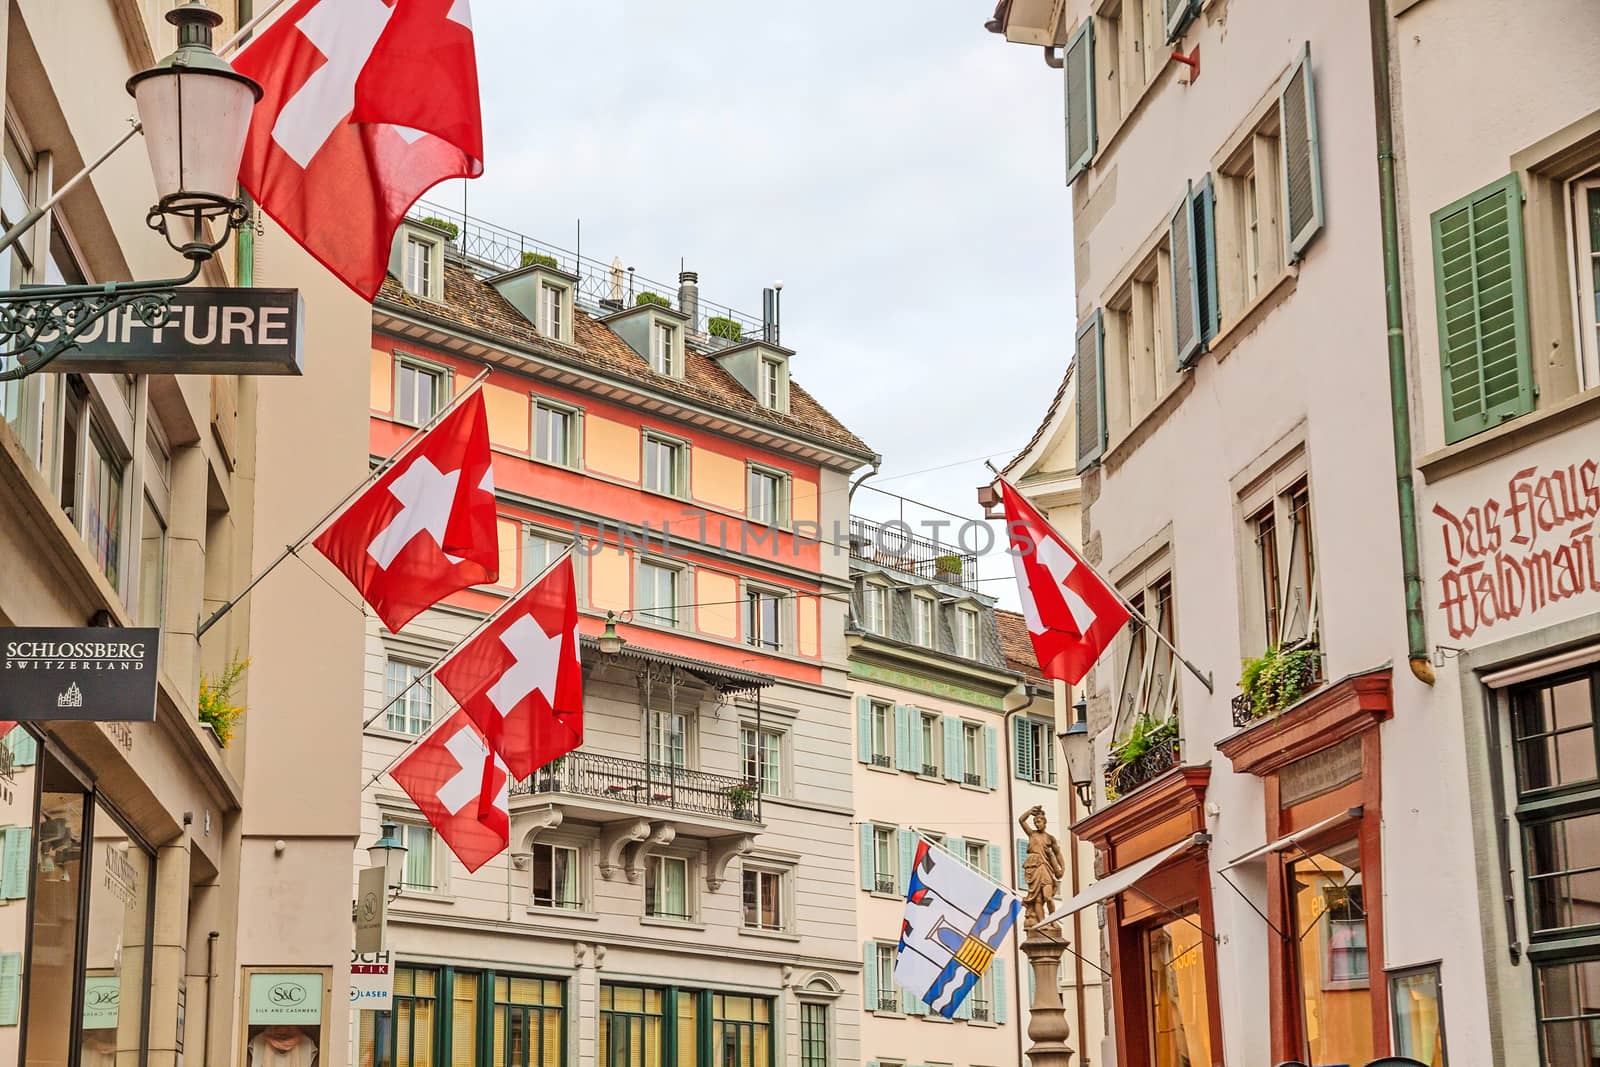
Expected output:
(679, 889)
(161, 877)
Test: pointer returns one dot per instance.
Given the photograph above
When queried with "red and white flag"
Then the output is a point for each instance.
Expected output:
(518, 677)
(366, 105)
(426, 528)
(1072, 614)
(461, 788)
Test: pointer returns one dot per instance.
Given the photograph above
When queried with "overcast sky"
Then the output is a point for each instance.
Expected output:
(898, 168)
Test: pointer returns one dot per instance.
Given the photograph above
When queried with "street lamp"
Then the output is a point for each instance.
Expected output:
(611, 642)
(195, 110)
(1078, 749)
(389, 852)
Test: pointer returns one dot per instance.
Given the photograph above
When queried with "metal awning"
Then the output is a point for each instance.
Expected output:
(1119, 881)
(1288, 841)
(721, 678)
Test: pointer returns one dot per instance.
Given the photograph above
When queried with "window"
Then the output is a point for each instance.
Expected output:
(664, 465)
(882, 715)
(922, 617)
(1586, 235)
(1330, 953)
(979, 1005)
(409, 688)
(555, 434)
(529, 1023)
(813, 1034)
(763, 759)
(771, 384)
(657, 598)
(421, 871)
(1250, 246)
(102, 516)
(418, 267)
(1148, 687)
(883, 860)
(404, 1035)
(1035, 751)
(768, 497)
(888, 995)
(632, 1026)
(763, 899)
(977, 856)
(1417, 1005)
(553, 311)
(21, 402)
(1177, 996)
(418, 392)
(668, 742)
(761, 619)
(1135, 342)
(967, 633)
(556, 876)
(929, 725)
(1282, 578)
(539, 551)
(875, 609)
(972, 753)
(152, 565)
(666, 888)
(663, 349)
(741, 1031)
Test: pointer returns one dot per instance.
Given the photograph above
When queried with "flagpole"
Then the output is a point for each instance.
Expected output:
(1205, 678)
(485, 621)
(289, 550)
(244, 31)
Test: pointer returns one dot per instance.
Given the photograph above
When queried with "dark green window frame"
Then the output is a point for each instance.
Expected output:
(709, 1025)
(385, 1033)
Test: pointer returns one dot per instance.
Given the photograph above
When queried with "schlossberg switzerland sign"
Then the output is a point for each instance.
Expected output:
(100, 674)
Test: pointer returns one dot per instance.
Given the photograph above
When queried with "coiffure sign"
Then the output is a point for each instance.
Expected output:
(102, 674)
(205, 331)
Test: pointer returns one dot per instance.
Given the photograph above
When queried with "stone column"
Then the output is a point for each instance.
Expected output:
(1047, 1016)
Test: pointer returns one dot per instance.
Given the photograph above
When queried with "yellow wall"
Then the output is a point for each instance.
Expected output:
(717, 479)
(509, 532)
(718, 613)
(382, 380)
(611, 447)
(806, 609)
(803, 500)
(609, 580)
(509, 413)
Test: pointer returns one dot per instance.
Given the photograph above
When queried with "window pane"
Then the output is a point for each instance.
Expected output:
(419, 857)
(102, 505)
(1563, 860)
(552, 430)
(1180, 1029)
(1569, 1011)
(813, 1035)
(113, 983)
(152, 566)
(464, 1021)
(1554, 730)
(658, 594)
(1330, 924)
(1414, 998)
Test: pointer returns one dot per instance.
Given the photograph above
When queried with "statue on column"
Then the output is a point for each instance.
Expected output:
(1041, 869)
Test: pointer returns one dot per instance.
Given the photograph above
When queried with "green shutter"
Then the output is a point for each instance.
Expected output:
(1078, 71)
(915, 757)
(1185, 284)
(957, 847)
(24, 747)
(1203, 208)
(1302, 165)
(864, 729)
(995, 874)
(999, 1009)
(952, 749)
(902, 738)
(869, 975)
(911, 1002)
(1022, 858)
(1481, 287)
(991, 757)
(908, 856)
(10, 988)
(869, 875)
(1178, 14)
(1024, 738)
(1089, 368)
(15, 857)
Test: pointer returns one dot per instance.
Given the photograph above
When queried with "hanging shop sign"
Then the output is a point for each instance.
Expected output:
(101, 999)
(93, 674)
(205, 331)
(372, 906)
(285, 999)
(371, 981)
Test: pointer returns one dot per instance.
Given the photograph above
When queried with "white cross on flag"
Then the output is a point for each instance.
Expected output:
(366, 104)
(426, 528)
(518, 677)
(461, 788)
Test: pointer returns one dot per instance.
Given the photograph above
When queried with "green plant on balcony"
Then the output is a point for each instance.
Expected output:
(947, 564)
(1145, 736)
(650, 297)
(1279, 677)
(717, 326)
(216, 707)
(443, 224)
(531, 258)
(741, 796)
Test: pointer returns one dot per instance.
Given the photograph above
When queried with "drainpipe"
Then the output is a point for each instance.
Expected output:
(1399, 379)
(1016, 877)
(211, 988)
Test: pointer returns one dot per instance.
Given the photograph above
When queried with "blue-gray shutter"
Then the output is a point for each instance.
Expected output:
(24, 747)
(1078, 78)
(1178, 14)
(991, 757)
(952, 749)
(10, 988)
(868, 858)
(999, 1009)
(1022, 858)
(957, 846)
(869, 975)
(1185, 291)
(908, 856)
(995, 874)
(911, 1002)
(1088, 361)
(1481, 288)
(1302, 164)
(16, 855)
(864, 729)
(902, 738)
(916, 757)
(1024, 738)
(1203, 206)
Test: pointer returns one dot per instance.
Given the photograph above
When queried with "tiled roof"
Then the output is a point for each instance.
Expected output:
(474, 304)
(1017, 646)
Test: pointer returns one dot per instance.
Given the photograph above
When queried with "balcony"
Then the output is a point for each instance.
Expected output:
(1124, 778)
(893, 545)
(980, 1011)
(884, 883)
(1276, 681)
(602, 788)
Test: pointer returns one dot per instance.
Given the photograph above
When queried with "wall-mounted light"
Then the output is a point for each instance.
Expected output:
(389, 852)
(1078, 748)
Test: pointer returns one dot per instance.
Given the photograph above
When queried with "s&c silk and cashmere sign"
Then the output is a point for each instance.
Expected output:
(104, 674)
(1511, 556)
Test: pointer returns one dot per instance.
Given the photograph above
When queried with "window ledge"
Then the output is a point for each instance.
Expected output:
(886, 896)
(1510, 436)
(769, 935)
(977, 788)
(675, 924)
(563, 913)
(1149, 422)
(1276, 292)
(431, 896)
(881, 770)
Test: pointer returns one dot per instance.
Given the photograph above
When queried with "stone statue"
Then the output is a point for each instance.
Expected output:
(1042, 869)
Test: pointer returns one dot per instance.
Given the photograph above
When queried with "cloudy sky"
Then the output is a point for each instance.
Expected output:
(896, 167)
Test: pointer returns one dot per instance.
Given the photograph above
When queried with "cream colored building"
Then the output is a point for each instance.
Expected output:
(1359, 844)
(151, 870)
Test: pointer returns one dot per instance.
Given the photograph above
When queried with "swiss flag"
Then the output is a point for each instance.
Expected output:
(461, 788)
(366, 104)
(426, 528)
(1072, 614)
(518, 677)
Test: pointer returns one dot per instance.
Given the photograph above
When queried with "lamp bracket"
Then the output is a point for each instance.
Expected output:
(197, 210)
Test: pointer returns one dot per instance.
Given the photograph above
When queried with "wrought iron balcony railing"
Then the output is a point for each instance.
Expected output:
(651, 785)
(892, 544)
(980, 1011)
(884, 883)
(1122, 779)
(1305, 673)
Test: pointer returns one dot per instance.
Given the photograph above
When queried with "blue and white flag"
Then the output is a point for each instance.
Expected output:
(956, 920)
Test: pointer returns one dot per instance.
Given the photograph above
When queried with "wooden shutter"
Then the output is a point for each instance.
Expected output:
(1185, 290)
(952, 749)
(869, 874)
(1089, 367)
(1302, 168)
(908, 856)
(1078, 68)
(864, 729)
(995, 874)
(1024, 733)
(1022, 858)
(1480, 285)
(869, 975)
(10, 988)
(999, 972)
(1203, 208)
(991, 757)
(15, 857)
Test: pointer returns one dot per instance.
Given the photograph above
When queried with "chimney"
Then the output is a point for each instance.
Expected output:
(689, 298)
(769, 312)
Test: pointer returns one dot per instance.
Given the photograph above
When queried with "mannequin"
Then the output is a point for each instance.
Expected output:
(283, 1046)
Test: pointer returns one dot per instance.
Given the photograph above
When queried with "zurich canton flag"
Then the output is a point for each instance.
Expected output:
(956, 920)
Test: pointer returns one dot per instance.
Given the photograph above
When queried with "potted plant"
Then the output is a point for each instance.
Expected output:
(725, 328)
(1278, 677)
(444, 225)
(549, 776)
(217, 712)
(947, 567)
(540, 258)
(1144, 737)
(650, 297)
(741, 797)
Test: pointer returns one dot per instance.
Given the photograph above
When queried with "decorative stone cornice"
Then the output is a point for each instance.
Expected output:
(721, 853)
(1151, 817)
(616, 837)
(661, 833)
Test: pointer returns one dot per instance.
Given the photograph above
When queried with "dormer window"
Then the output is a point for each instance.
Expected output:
(663, 342)
(417, 258)
(419, 267)
(553, 311)
(771, 383)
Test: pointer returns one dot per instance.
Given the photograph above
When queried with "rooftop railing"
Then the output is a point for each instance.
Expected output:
(893, 545)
